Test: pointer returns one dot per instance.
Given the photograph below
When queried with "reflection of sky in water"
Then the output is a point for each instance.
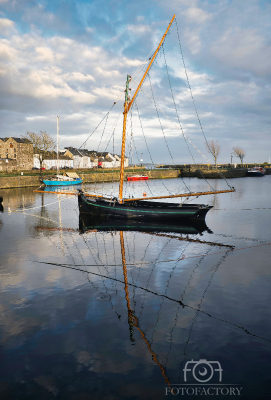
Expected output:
(65, 333)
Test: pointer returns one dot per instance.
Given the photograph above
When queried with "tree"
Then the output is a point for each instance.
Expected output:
(240, 153)
(42, 144)
(214, 149)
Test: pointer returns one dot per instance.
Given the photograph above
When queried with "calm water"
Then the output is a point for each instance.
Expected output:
(112, 315)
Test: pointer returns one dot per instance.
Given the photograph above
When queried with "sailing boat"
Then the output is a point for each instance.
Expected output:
(69, 178)
(142, 209)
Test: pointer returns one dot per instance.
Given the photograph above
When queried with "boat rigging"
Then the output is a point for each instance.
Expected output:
(142, 209)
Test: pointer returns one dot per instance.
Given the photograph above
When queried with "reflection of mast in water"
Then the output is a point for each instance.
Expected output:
(60, 223)
(215, 201)
(132, 319)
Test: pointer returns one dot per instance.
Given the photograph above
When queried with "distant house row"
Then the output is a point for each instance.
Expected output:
(17, 153)
(80, 158)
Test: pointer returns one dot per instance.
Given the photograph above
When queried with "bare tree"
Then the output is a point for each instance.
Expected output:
(42, 144)
(214, 149)
(240, 153)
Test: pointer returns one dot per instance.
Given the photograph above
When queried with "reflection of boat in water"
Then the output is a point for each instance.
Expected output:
(143, 208)
(87, 222)
(137, 178)
(59, 190)
(256, 171)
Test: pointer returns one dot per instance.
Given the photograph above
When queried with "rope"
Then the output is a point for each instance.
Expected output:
(176, 127)
(180, 121)
(162, 261)
(160, 295)
(147, 144)
(106, 116)
(192, 97)
(164, 132)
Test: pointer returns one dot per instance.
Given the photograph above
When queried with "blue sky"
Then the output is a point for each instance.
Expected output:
(70, 58)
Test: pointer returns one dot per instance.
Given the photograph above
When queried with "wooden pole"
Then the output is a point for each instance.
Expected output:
(123, 140)
(181, 195)
(150, 64)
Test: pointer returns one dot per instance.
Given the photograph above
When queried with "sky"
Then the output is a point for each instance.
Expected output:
(71, 59)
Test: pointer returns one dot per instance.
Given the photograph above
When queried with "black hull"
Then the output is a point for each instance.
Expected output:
(255, 174)
(141, 210)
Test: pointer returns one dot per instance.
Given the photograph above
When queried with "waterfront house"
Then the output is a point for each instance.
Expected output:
(50, 161)
(18, 152)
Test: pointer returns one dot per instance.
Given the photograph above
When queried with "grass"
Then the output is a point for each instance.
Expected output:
(84, 171)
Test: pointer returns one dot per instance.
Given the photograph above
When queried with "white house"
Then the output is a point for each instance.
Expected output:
(51, 161)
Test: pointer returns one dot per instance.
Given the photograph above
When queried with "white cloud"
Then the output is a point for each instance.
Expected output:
(133, 63)
(112, 93)
(193, 40)
(78, 76)
(89, 30)
(6, 26)
(244, 48)
(139, 29)
(6, 52)
(107, 74)
(39, 79)
(196, 15)
(45, 54)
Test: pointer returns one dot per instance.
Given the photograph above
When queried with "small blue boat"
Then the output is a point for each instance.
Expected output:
(53, 182)
(70, 178)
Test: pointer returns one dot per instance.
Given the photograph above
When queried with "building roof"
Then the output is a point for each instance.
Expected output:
(53, 156)
(18, 140)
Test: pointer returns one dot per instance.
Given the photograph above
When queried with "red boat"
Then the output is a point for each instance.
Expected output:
(137, 178)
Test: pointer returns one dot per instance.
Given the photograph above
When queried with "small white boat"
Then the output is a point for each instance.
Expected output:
(68, 178)
(256, 171)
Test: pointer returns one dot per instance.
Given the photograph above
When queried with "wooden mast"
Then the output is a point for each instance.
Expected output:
(127, 106)
(123, 138)
(57, 144)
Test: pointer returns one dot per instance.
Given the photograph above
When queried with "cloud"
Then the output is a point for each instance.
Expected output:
(196, 15)
(244, 48)
(6, 26)
(193, 39)
(45, 54)
(107, 74)
(57, 58)
(78, 76)
(139, 29)
(89, 30)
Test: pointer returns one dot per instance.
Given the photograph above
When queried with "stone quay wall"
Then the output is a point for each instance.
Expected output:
(34, 181)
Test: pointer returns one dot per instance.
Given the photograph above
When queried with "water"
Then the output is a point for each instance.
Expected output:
(81, 318)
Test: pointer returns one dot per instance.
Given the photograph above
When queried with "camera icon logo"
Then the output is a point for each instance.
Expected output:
(202, 370)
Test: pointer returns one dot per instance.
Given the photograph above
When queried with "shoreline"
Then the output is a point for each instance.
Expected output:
(19, 181)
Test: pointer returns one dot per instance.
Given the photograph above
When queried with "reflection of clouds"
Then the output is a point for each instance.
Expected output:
(47, 383)
(54, 275)
(12, 279)
(13, 325)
